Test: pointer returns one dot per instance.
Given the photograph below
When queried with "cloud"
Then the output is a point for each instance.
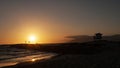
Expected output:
(86, 38)
(80, 38)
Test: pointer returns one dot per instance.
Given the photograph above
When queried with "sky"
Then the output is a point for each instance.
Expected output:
(52, 20)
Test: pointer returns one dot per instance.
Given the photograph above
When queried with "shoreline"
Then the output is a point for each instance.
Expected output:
(102, 60)
(41, 59)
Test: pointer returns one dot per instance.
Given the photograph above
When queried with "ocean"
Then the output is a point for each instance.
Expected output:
(11, 56)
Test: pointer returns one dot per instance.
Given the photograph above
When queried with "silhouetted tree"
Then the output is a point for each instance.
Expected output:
(98, 36)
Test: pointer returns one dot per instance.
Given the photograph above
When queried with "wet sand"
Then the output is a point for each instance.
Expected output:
(103, 60)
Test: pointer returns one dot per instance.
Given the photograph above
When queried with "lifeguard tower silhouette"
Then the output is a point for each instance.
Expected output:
(97, 37)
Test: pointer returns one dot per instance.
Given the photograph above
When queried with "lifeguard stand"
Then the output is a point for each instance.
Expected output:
(98, 36)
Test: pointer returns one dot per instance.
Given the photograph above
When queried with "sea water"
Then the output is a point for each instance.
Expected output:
(11, 56)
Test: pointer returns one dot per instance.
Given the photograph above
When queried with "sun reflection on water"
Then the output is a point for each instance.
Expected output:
(33, 60)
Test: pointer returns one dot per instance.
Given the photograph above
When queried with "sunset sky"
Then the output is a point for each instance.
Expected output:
(50, 21)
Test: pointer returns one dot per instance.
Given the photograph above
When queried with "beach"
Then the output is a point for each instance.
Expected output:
(103, 60)
(100, 54)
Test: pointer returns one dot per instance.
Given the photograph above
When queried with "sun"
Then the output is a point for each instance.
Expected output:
(32, 38)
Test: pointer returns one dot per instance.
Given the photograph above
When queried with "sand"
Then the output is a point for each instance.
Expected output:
(107, 59)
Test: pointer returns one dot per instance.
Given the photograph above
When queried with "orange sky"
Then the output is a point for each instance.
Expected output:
(51, 21)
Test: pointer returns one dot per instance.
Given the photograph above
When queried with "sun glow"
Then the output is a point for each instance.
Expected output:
(32, 39)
